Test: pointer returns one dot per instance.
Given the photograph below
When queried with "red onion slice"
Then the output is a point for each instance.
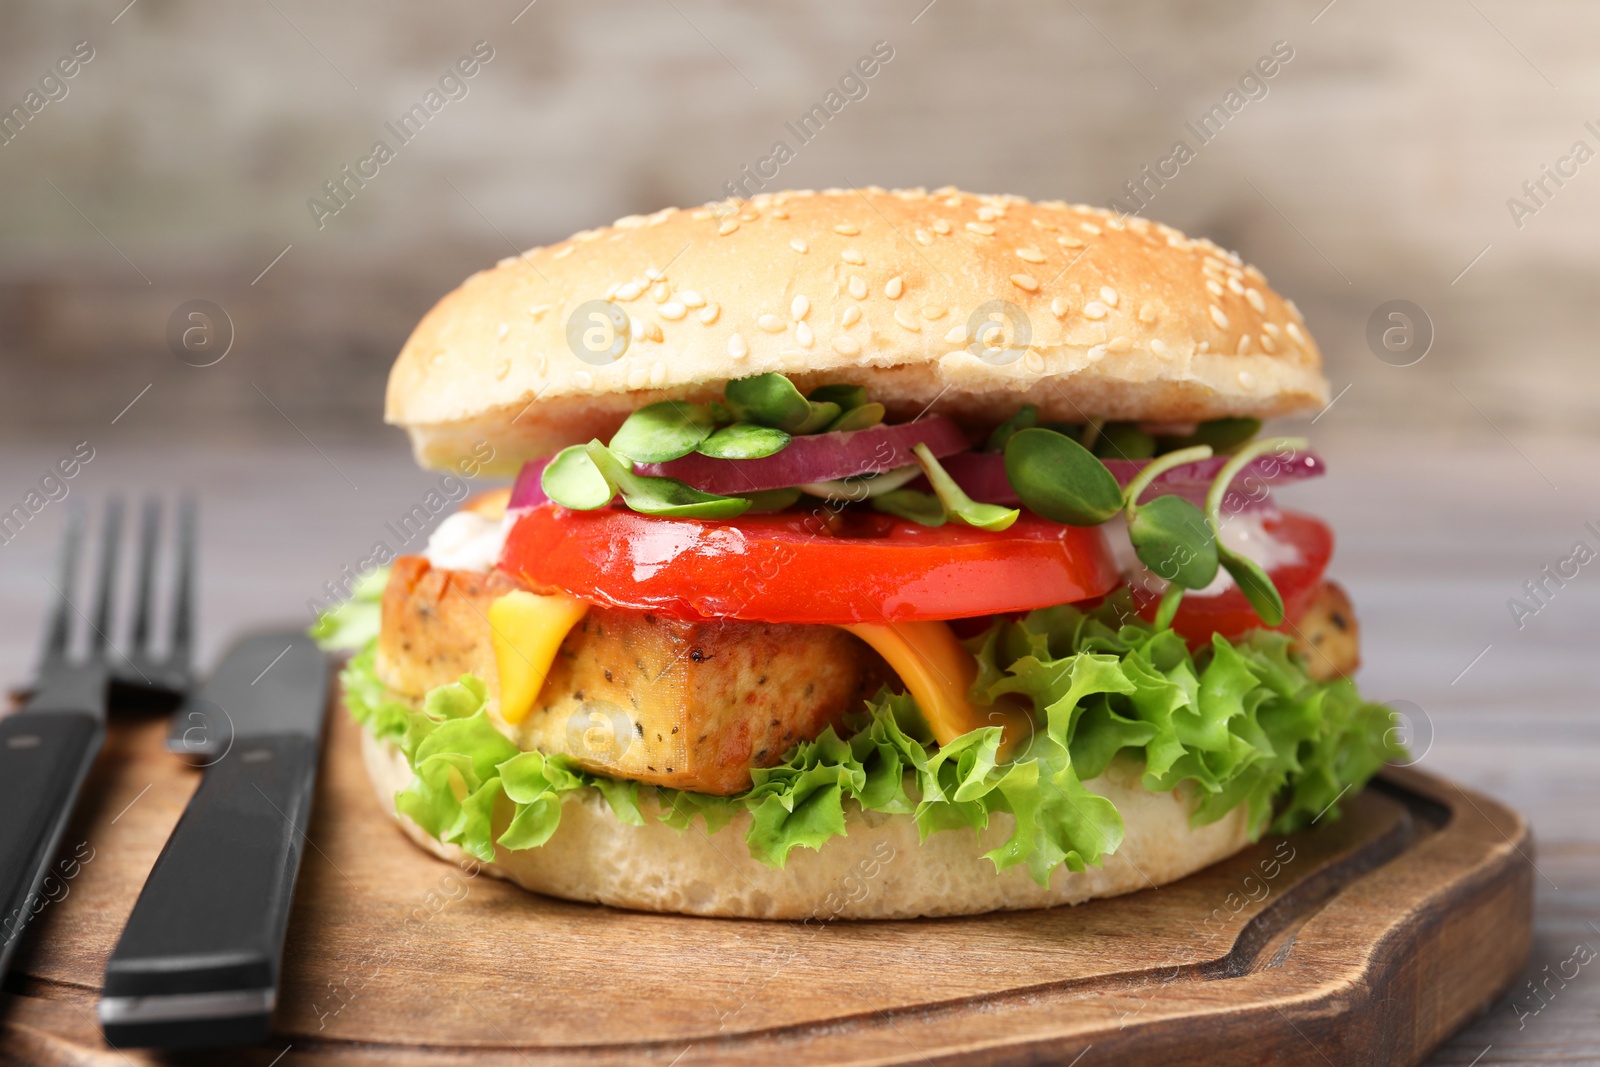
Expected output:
(983, 476)
(526, 491)
(816, 458)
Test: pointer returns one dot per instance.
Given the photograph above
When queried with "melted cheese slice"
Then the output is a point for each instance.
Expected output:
(526, 631)
(938, 673)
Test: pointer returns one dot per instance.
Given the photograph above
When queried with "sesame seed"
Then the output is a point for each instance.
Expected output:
(851, 316)
(1273, 329)
(894, 287)
(1159, 347)
(799, 306)
(906, 321)
(802, 335)
(770, 323)
(981, 227)
(1119, 344)
(1234, 286)
(1268, 345)
(798, 245)
(727, 226)
(1033, 362)
(850, 255)
(988, 214)
(709, 313)
(1094, 309)
(1253, 274)
(737, 348)
(1295, 335)
(1244, 345)
(1147, 314)
(1202, 348)
(941, 227)
(848, 229)
(659, 292)
(845, 345)
(1246, 379)
(638, 377)
(957, 334)
(924, 237)
(780, 214)
(1254, 299)
(635, 327)
(583, 379)
(652, 331)
(1089, 227)
(1025, 281)
(689, 298)
(673, 310)
(563, 254)
(933, 311)
(858, 288)
(629, 291)
(748, 216)
(1031, 254)
(658, 373)
(653, 273)
(1095, 354)
(611, 290)
(1212, 287)
(1108, 296)
(1218, 317)
(1058, 308)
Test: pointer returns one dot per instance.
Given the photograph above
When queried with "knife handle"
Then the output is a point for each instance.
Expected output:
(199, 959)
(44, 757)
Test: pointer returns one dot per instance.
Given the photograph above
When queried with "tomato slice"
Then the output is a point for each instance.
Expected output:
(1229, 613)
(840, 567)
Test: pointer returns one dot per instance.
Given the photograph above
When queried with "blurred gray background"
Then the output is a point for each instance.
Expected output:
(1380, 164)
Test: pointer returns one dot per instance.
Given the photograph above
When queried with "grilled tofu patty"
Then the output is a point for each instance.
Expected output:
(692, 705)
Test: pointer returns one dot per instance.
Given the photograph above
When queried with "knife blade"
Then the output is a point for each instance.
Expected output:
(199, 960)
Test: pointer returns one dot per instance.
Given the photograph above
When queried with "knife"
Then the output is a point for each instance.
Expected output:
(199, 960)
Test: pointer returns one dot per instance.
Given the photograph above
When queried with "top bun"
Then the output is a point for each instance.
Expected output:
(1125, 319)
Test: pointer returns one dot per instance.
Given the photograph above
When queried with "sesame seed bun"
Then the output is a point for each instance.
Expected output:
(1125, 319)
(593, 856)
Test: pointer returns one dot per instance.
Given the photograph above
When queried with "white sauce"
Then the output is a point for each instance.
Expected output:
(1245, 533)
(467, 541)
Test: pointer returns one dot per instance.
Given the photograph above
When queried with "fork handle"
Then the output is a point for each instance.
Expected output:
(44, 758)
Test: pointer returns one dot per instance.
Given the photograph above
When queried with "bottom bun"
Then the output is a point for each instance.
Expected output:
(879, 871)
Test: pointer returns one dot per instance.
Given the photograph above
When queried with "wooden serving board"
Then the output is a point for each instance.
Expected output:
(1368, 939)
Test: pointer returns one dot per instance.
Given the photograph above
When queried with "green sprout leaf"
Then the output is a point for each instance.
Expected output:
(1060, 479)
(1027, 416)
(1124, 440)
(1254, 584)
(1172, 538)
(572, 480)
(766, 501)
(863, 417)
(957, 504)
(662, 496)
(848, 397)
(921, 508)
(821, 416)
(744, 440)
(659, 432)
(1223, 435)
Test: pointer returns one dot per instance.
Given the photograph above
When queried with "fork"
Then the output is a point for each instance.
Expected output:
(48, 746)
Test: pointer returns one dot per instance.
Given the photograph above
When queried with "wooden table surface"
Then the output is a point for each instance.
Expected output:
(1435, 536)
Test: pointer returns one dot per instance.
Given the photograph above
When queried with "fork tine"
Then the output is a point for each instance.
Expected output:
(58, 635)
(183, 587)
(149, 529)
(111, 535)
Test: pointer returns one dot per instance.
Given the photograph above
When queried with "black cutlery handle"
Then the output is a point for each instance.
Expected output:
(198, 961)
(44, 757)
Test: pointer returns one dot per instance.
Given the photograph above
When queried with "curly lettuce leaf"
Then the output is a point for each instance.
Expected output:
(1235, 722)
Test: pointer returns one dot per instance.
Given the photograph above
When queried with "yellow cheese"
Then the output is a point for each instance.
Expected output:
(526, 630)
(938, 673)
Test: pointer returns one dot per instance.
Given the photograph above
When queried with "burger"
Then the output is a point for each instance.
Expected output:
(867, 554)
